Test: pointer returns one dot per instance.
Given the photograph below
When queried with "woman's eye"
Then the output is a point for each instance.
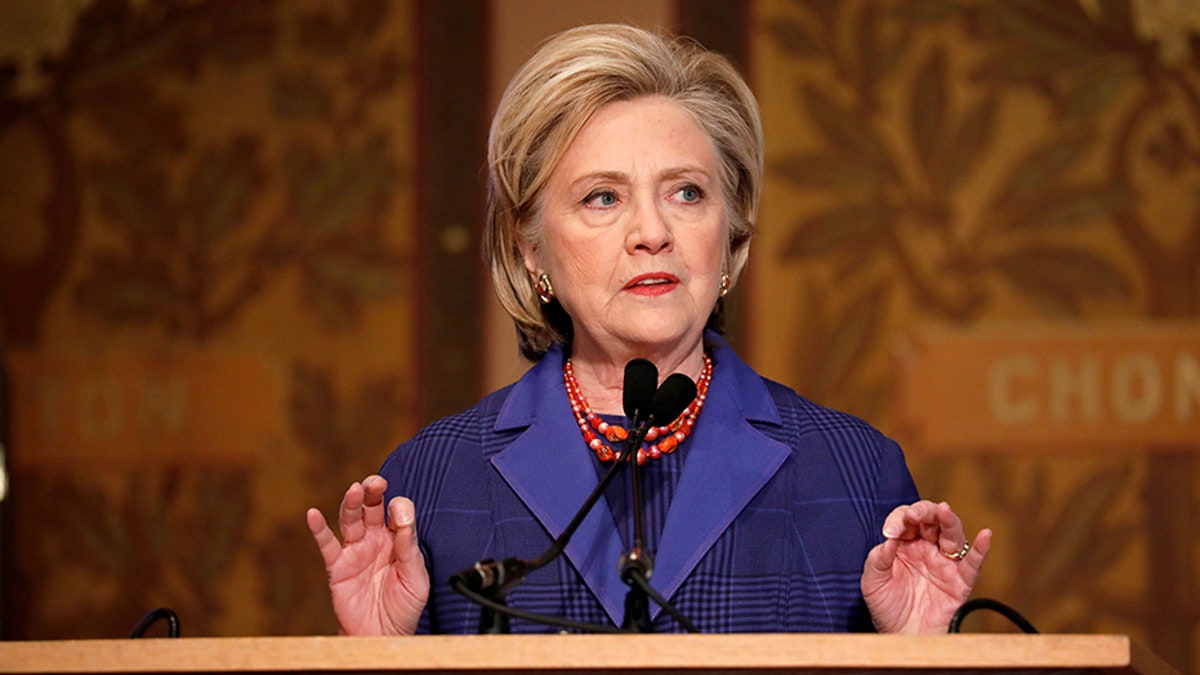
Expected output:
(601, 198)
(690, 193)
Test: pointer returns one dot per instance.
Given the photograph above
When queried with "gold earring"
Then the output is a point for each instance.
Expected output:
(544, 289)
(725, 281)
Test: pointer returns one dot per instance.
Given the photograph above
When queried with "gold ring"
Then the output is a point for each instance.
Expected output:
(958, 555)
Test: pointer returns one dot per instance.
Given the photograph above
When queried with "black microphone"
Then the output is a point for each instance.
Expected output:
(676, 392)
(641, 381)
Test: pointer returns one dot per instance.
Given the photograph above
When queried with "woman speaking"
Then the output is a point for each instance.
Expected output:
(624, 176)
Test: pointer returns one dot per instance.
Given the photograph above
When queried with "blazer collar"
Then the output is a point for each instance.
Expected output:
(728, 464)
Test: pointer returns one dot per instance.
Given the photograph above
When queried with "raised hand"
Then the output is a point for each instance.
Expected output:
(377, 574)
(925, 569)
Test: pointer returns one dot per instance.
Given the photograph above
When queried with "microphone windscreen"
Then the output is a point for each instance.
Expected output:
(641, 379)
(676, 392)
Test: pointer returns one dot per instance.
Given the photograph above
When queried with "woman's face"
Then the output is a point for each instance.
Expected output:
(634, 229)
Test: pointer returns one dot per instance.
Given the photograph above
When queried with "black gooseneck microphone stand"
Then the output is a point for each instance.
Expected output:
(487, 582)
(637, 561)
(637, 564)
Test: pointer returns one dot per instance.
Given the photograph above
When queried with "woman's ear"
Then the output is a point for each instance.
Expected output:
(529, 253)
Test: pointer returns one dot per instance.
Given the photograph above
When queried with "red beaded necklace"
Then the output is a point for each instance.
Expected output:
(596, 431)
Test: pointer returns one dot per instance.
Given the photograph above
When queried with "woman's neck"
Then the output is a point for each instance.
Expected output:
(601, 373)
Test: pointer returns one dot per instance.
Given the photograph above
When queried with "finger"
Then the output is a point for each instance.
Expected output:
(908, 521)
(402, 513)
(373, 489)
(925, 518)
(327, 542)
(894, 526)
(973, 562)
(877, 570)
(402, 520)
(950, 537)
(881, 558)
(350, 515)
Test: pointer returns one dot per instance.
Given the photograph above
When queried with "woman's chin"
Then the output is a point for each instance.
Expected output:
(652, 338)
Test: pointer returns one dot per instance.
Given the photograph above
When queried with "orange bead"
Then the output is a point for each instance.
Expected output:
(668, 445)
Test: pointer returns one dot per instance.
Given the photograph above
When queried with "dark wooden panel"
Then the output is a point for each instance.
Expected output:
(453, 116)
(719, 25)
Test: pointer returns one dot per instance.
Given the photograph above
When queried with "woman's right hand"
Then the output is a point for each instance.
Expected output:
(377, 574)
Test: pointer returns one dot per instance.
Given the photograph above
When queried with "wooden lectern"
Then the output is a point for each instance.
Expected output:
(675, 654)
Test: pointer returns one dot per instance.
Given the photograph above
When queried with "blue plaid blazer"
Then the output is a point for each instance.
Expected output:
(775, 508)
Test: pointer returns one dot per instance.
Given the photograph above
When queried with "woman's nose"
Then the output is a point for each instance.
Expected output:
(649, 230)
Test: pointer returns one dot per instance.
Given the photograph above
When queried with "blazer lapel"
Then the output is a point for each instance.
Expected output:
(550, 472)
(727, 465)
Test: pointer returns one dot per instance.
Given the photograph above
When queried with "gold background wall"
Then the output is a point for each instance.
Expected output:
(207, 234)
(996, 167)
(224, 287)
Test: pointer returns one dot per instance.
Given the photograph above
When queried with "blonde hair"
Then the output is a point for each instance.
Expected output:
(550, 99)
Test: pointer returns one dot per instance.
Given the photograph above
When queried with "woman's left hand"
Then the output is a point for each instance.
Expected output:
(912, 582)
